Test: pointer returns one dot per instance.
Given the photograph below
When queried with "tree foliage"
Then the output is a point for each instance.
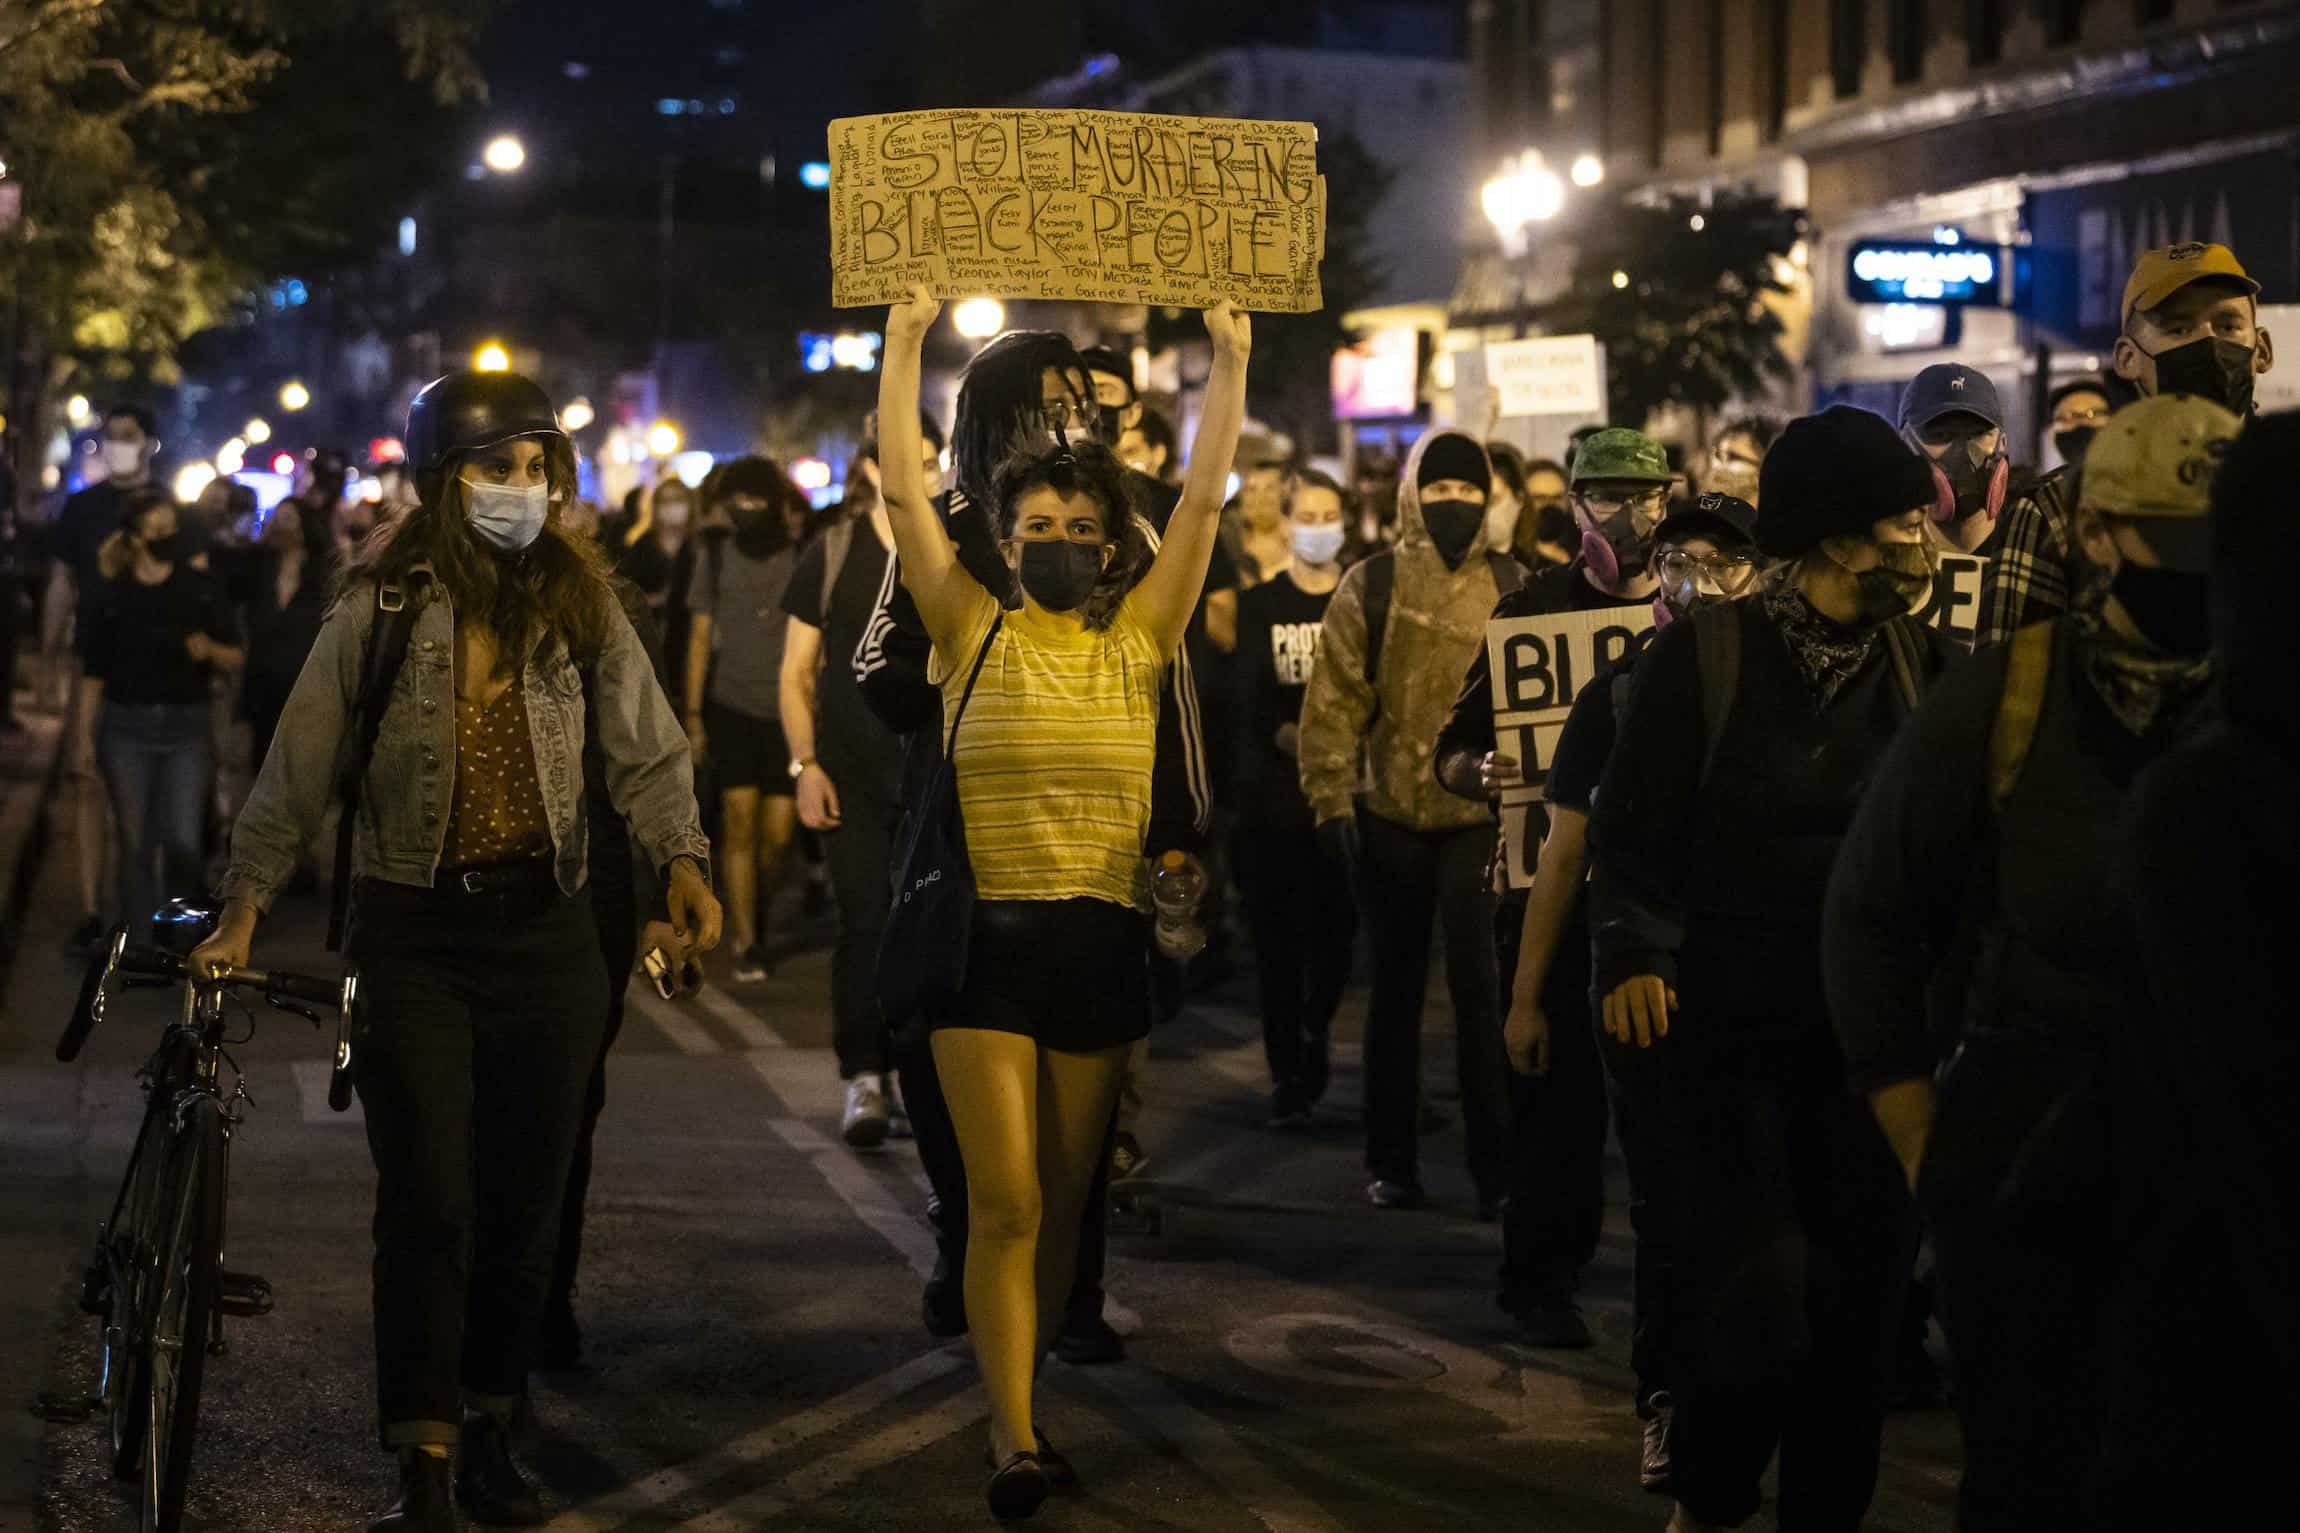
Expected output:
(1691, 323)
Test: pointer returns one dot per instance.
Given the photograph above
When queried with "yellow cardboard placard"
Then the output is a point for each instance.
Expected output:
(1113, 207)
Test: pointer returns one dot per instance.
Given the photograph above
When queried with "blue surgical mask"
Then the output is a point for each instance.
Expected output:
(1318, 545)
(508, 517)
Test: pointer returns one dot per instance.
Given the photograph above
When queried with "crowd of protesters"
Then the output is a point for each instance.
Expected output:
(1874, 947)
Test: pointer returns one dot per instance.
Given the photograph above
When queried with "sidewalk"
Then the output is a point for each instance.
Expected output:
(28, 775)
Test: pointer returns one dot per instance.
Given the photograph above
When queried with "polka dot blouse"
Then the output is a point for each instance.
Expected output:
(497, 814)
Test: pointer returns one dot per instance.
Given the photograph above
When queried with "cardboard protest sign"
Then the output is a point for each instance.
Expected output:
(1113, 207)
(1540, 665)
(1548, 375)
(1955, 604)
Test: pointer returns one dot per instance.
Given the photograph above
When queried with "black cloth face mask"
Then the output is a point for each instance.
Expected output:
(1894, 585)
(168, 549)
(1453, 526)
(2171, 608)
(2072, 442)
(2211, 368)
(1058, 574)
(755, 534)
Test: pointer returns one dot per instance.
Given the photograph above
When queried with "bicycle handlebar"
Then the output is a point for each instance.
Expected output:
(276, 984)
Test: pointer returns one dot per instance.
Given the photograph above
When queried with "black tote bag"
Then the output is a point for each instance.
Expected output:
(922, 956)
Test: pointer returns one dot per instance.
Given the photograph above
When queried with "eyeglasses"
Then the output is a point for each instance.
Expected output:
(1060, 413)
(1646, 504)
(2068, 420)
(1728, 572)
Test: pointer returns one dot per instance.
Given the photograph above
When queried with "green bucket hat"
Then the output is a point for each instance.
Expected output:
(1620, 453)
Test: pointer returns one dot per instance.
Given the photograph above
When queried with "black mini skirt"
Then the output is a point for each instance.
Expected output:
(1072, 974)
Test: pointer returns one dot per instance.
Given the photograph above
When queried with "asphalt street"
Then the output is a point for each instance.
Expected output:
(1299, 1362)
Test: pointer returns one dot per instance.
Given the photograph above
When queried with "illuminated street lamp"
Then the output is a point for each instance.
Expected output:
(231, 457)
(294, 396)
(663, 439)
(1526, 192)
(577, 415)
(257, 430)
(1588, 170)
(491, 358)
(76, 410)
(978, 319)
(504, 154)
(192, 479)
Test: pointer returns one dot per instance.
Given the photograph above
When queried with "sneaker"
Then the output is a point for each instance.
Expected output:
(1289, 1109)
(863, 1124)
(751, 966)
(1126, 1157)
(1085, 1344)
(1388, 1194)
(1556, 1323)
(1654, 1470)
(897, 1121)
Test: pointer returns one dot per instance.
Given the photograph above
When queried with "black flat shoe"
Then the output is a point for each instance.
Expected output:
(426, 1501)
(1060, 1472)
(488, 1482)
(1018, 1488)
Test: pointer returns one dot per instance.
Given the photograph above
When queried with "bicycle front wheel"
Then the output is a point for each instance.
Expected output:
(184, 1316)
(129, 1254)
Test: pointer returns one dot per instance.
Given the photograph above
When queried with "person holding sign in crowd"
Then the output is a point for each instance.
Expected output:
(1556, 1187)
(2191, 325)
(1707, 554)
(1401, 626)
(1747, 741)
(1298, 902)
(1053, 721)
(1980, 869)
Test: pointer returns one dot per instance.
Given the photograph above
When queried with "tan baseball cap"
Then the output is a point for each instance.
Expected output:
(2154, 461)
(2158, 274)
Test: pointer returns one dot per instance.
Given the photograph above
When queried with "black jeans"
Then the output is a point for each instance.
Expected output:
(614, 887)
(1304, 923)
(860, 853)
(1556, 1211)
(483, 1026)
(1652, 1148)
(939, 1157)
(1798, 1231)
(1410, 878)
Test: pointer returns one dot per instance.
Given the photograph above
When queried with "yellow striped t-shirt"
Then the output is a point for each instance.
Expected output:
(1055, 752)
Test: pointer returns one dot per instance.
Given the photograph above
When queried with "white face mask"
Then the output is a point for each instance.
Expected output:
(1500, 521)
(508, 517)
(123, 460)
(1318, 545)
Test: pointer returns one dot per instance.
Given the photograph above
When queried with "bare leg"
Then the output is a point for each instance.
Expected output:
(991, 1081)
(1076, 1093)
(778, 823)
(739, 824)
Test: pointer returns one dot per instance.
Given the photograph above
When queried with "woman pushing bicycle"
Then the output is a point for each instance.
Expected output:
(474, 645)
(1054, 712)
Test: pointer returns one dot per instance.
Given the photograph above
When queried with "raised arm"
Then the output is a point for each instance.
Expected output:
(937, 582)
(1167, 596)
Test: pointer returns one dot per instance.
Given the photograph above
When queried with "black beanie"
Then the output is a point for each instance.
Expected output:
(1451, 455)
(1833, 475)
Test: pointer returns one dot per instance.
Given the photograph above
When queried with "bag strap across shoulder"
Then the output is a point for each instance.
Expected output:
(972, 677)
(380, 662)
(1717, 654)
(2027, 667)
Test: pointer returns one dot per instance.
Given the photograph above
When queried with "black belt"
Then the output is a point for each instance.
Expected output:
(530, 876)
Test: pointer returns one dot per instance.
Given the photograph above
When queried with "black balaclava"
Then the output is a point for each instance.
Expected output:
(1453, 525)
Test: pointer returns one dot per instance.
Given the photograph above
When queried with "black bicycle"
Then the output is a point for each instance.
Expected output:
(156, 1279)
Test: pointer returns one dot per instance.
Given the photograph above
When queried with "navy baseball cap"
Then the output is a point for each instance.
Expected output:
(1714, 516)
(1946, 387)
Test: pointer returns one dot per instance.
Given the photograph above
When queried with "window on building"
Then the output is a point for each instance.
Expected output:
(1848, 45)
(1776, 67)
(1906, 39)
(1984, 31)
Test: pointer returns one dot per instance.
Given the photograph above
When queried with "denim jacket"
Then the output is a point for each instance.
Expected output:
(406, 795)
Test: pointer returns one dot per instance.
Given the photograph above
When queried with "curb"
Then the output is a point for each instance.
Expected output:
(31, 776)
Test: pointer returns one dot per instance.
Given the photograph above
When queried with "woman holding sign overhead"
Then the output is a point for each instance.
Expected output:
(1051, 719)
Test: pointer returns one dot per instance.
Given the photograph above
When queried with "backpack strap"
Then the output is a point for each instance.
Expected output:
(1717, 652)
(972, 677)
(1906, 652)
(2028, 666)
(380, 662)
(1381, 584)
(838, 538)
(1507, 573)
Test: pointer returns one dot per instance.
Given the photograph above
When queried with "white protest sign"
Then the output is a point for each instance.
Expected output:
(1540, 665)
(1954, 606)
(1548, 375)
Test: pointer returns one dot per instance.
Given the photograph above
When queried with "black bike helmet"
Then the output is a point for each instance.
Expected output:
(463, 412)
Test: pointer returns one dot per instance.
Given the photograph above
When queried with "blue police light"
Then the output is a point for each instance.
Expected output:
(815, 175)
(1914, 271)
(815, 351)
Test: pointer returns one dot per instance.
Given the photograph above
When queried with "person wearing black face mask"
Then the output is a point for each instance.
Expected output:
(2191, 325)
(2077, 408)
(1974, 896)
(735, 636)
(1745, 748)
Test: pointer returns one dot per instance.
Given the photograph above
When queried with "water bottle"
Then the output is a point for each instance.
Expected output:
(1177, 884)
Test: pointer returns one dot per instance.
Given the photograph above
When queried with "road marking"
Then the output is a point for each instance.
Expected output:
(668, 1484)
(1208, 1447)
(910, 1435)
(690, 1036)
(311, 1079)
(743, 1022)
(865, 1196)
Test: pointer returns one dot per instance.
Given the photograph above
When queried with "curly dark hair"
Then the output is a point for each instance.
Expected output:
(1000, 409)
(557, 585)
(1094, 471)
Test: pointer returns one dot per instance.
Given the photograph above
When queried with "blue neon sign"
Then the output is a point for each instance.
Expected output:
(1918, 271)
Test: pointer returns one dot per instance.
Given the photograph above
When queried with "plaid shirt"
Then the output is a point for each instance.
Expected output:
(2028, 578)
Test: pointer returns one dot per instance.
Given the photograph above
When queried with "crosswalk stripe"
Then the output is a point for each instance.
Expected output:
(688, 1035)
(1208, 1446)
(739, 1019)
(909, 1435)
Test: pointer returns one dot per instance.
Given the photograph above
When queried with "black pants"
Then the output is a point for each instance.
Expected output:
(1652, 1147)
(1797, 1236)
(615, 905)
(938, 1155)
(1410, 878)
(1556, 1211)
(860, 852)
(483, 1025)
(1304, 923)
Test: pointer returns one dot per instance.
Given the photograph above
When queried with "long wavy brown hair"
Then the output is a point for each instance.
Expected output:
(558, 586)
